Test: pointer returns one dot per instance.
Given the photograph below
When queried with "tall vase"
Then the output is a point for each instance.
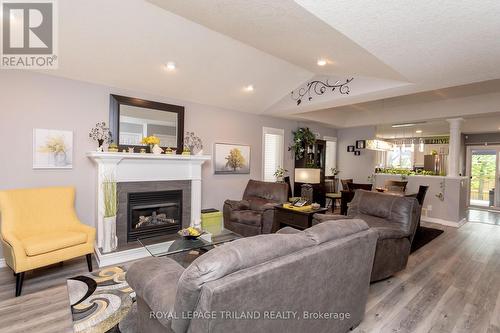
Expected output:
(100, 142)
(109, 239)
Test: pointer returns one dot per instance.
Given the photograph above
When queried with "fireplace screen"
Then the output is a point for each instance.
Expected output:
(154, 213)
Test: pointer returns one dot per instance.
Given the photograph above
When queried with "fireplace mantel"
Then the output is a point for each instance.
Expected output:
(137, 167)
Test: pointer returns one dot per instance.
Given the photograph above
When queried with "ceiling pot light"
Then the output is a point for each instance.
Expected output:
(418, 131)
(321, 62)
(170, 66)
(248, 88)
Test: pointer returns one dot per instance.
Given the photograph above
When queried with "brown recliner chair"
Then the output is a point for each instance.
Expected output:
(395, 218)
(254, 215)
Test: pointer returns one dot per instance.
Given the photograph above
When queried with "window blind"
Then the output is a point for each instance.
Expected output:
(273, 152)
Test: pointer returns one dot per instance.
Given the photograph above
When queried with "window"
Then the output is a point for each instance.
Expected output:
(400, 158)
(331, 155)
(272, 151)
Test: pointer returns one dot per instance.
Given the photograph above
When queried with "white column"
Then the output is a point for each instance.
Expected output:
(455, 142)
(106, 171)
(196, 195)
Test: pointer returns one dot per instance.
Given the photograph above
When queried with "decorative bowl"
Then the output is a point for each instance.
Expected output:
(190, 233)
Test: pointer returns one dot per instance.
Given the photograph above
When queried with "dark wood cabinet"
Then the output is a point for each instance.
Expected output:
(314, 157)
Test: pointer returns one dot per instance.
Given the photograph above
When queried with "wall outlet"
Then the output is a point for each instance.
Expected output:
(429, 208)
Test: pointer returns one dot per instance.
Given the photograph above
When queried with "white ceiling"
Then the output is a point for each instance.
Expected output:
(220, 46)
(486, 123)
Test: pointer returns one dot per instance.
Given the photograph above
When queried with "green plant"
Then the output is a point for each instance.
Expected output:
(404, 172)
(280, 172)
(302, 138)
(109, 192)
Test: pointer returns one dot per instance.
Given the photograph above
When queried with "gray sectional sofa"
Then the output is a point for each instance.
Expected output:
(314, 280)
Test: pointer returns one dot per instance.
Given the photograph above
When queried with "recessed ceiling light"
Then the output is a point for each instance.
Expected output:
(248, 88)
(321, 62)
(418, 131)
(170, 66)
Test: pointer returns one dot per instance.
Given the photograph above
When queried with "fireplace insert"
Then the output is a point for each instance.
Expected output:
(154, 214)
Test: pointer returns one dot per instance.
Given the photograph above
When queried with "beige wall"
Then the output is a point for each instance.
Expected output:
(359, 167)
(30, 100)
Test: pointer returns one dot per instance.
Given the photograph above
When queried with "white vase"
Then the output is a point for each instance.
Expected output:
(156, 150)
(109, 239)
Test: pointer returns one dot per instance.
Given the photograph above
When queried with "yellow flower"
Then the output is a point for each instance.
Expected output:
(151, 140)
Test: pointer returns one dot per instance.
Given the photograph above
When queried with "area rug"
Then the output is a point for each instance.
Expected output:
(102, 302)
(423, 236)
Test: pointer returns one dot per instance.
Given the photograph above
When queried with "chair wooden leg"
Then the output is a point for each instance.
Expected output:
(89, 261)
(19, 283)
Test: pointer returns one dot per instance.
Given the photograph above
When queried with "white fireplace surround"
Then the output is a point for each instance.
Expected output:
(136, 167)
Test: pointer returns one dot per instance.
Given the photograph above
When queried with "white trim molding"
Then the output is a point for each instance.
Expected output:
(444, 222)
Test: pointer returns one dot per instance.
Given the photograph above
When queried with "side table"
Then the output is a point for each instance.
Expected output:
(284, 217)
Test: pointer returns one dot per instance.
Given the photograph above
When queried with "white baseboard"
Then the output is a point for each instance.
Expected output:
(2, 263)
(444, 222)
(119, 257)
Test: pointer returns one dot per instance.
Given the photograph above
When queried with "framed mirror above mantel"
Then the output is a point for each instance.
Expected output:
(132, 119)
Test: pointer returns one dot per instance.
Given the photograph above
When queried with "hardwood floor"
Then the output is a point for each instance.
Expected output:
(450, 285)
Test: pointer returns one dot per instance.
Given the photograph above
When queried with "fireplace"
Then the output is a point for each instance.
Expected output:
(154, 213)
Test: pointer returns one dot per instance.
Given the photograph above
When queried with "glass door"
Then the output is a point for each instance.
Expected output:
(482, 167)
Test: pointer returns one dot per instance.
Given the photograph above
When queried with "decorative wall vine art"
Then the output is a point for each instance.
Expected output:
(318, 88)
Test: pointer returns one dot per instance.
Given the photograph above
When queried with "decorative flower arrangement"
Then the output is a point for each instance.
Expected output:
(150, 140)
(101, 134)
(302, 138)
(334, 171)
(193, 142)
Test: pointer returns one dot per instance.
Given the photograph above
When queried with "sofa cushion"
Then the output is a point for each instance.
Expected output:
(229, 258)
(49, 242)
(384, 229)
(331, 230)
(266, 190)
(250, 217)
(375, 204)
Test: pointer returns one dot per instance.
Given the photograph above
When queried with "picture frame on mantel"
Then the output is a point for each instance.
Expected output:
(231, 159)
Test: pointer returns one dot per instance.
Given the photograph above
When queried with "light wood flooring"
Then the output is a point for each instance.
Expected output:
(450, 285)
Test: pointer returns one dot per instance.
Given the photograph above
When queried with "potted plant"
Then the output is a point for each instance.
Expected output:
(101, 134)
(279, 174)
(302, 138)
(110, 209)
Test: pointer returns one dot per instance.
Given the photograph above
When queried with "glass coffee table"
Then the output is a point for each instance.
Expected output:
(160, 246)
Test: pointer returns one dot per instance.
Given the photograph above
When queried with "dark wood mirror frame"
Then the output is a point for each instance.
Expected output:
(114, 117)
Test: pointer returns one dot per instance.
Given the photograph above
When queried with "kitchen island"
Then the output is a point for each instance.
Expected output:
(446, 199)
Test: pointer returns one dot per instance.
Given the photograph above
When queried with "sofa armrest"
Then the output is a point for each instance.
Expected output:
(155, 281)
(237, 204)
(318, 218)
(16, 254)
(90, 231)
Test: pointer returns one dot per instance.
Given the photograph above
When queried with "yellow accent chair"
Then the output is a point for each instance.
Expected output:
(39, 227)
